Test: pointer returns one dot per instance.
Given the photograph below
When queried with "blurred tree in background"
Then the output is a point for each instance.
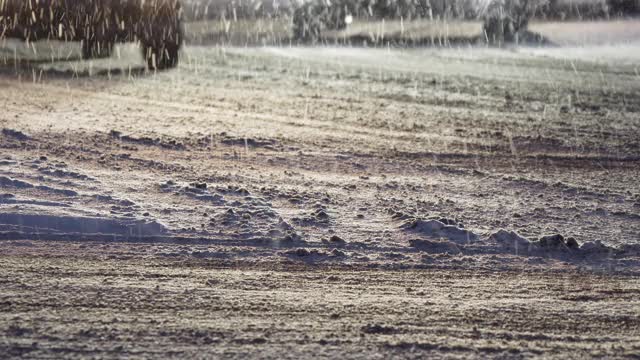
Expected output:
(624, 7)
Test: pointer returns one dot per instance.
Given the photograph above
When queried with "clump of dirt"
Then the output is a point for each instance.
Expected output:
(556, 243)
(338, 253)
(62, 173)
(301, 252)
(198, 191)
(511, 240)
(315, 255)
(435, 246)
(232, 189)
(378, 329)
(6, 181)
(18, 135)
(598, 248)
(451, 222)
(335, 241)
(438, 229)
(399, 215)
(148, 141)
(319, 216)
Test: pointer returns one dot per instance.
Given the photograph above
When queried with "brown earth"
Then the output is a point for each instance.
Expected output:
(112, 303)
(309, 202)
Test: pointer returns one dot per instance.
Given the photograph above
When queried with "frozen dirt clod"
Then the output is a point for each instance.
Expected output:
(399, 215)
(335, 241)
(18, 135)
(215, 199)
(62, 173)
(553, 242)
(300, 252)
(338, 253)
(435, 246)
(451, 222)
(598, 248)
(6, 181)
(317, 217)
(559, 245)
(437, 229)
(511, 240)
(377, 329)
(557, 242)
(572, 243)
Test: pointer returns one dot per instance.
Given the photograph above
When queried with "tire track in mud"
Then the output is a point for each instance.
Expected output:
(344, 163)
(310, 126)
(365, 136)
(437, 169)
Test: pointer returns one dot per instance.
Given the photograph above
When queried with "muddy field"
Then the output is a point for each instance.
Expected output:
(321, 202)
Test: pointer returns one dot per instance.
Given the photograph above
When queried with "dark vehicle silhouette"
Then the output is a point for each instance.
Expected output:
(98, 25)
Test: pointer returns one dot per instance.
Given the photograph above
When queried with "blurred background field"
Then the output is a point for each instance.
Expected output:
(277, 31)
(406, 22)
(241, 32)
(596, 32)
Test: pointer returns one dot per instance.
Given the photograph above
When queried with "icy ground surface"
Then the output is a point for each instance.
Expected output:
(400, 156)
(473, 160)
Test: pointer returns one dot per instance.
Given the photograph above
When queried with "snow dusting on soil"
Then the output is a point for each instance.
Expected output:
(449, 188)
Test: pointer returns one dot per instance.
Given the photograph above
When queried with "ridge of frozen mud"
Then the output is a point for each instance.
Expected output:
(18, 135)
(48, 197)
(6, 181)
(513, 242)
(448, 237)
(436, 228)
(56, 224)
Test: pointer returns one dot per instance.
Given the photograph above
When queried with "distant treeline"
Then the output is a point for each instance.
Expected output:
(587, 9)
(237, 9)
(408, 9)
(624, 7)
